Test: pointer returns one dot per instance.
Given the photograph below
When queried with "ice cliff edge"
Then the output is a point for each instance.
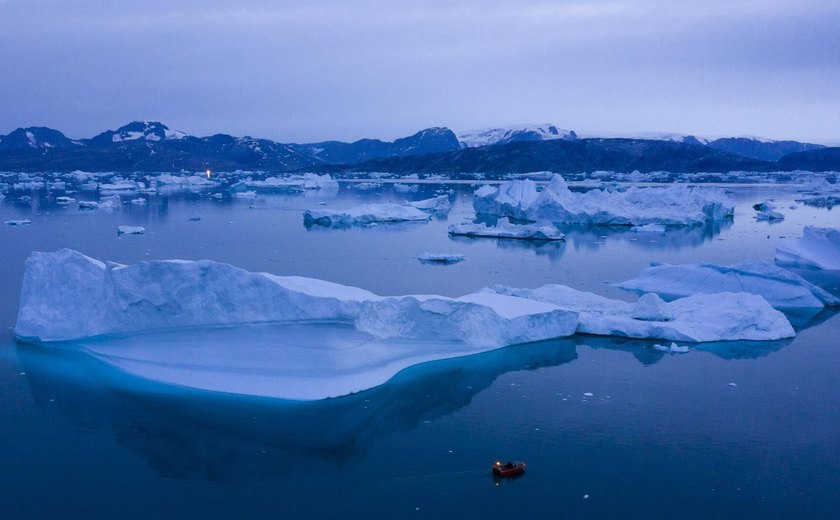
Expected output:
(66, 295)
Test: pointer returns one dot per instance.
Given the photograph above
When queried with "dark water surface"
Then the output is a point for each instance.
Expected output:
(662, 435)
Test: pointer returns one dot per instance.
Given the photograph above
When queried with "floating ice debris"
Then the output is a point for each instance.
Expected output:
(673, 348)
(194, 218)
(365, 186)
(131, 230)
(818, 247)
(18, 222)
(731, 384)
(406, 188)
(588, 394)
(440, 258)
(782, 289)
(245, 194)
(504, 229)
(24, 199)
(672, 206)
(64, 200)
(364, 215)
(698, 318)
(138, 201)
(436, 204)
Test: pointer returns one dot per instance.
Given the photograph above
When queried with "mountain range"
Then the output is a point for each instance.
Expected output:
(152, 146)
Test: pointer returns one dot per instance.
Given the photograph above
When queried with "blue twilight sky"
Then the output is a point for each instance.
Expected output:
(339, 69)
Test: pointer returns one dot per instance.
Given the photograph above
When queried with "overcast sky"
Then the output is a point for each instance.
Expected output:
(338, 69)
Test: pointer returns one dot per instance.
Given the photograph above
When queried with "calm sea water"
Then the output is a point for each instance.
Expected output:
(662, 435)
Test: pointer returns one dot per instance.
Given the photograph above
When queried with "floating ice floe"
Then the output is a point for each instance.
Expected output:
(382, 335)
(307, 181)
(139, 201)
(672, 206)
(782, 289)
(64, 200)
(818, 247)
(672, 348)
(183, 182)
(131, 230)
(405, 188)
(440, 258)
(18, 222)
(767, 211)
(698, 318)
(504, 229)
(364, 215)
(439, 204)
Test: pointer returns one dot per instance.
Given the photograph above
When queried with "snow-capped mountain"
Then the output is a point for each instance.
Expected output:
(512, 134)
(35, 138)
(138, 130)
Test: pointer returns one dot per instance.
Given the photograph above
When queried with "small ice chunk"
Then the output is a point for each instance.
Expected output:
(18, 222)
(677, 348)
(732, 384)
(440, 258)
(138, 201)
(131, 230)
(588, 394)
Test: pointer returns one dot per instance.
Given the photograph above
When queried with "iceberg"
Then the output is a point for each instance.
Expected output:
(767, 211)
(439, 204)
(504, 229)
(818, 247)
(672, 206)
(369, 338)
(782, 289)
(698, 318)
(364, 215)
(131, 230)
(440, 258)
(307, 181)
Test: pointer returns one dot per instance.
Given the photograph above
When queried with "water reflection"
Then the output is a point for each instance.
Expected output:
(218, 437)
(646, 354)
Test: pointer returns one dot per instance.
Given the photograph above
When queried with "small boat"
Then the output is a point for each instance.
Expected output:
(509, 469)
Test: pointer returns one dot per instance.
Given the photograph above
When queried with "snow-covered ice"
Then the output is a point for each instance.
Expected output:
(382, 335)
(782, 289)
(698, 318)
(440, 258)
(307, 181)
(365, 214)
(439, 204)
(18, 222)
(504, 229)
(818, 247)
(672, 206)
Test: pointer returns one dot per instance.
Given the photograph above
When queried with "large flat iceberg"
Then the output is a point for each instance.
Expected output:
(504, 229)
(69, 297)
(672, 206)
(782, 289)
(818, 247)
(366, 214)
(698, 318)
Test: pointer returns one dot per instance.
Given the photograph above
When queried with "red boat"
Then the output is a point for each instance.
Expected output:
(509, 469)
